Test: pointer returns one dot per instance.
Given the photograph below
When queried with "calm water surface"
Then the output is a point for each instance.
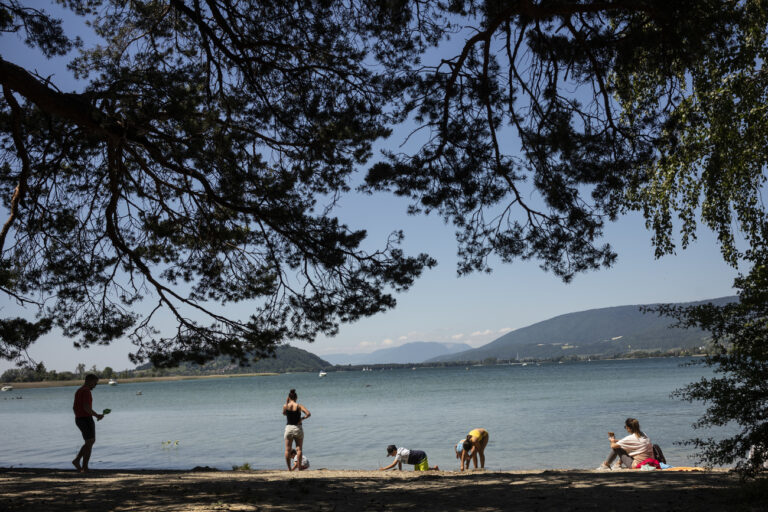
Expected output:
(548, 416)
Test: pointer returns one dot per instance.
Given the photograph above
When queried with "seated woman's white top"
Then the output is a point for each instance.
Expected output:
(639, 448)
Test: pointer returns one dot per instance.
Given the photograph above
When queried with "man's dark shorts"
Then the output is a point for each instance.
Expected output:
(87, 426)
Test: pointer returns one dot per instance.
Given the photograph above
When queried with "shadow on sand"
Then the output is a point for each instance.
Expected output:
(54, 490)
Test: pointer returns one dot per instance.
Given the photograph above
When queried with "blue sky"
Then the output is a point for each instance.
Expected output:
(473, 309)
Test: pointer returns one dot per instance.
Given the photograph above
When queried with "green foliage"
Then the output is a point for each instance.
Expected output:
(737, 394)
(38, 373)
(711, 138)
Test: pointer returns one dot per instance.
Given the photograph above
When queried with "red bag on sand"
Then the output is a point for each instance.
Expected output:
(652, 462)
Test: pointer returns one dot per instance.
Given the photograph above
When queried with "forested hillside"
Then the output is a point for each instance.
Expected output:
(605, 331)
(287, 359)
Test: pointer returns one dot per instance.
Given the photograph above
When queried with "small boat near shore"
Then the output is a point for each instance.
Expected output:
(322, 374)
(7, 388)
(112, 382)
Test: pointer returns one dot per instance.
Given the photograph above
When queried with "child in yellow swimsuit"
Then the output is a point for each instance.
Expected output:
(474, 445)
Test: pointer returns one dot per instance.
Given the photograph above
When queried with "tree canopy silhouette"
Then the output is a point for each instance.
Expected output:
(200, 163)
(196, 168)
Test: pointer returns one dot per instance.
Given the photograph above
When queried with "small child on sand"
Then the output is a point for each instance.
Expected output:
(304, 461)
(463, 461)
(403, 455)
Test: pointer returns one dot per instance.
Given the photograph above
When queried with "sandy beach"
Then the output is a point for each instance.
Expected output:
(324, 490)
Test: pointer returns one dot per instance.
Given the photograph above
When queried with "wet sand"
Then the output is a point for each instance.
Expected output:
(325, 490)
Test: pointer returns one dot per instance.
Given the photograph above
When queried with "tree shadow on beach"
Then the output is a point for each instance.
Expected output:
(54, 490)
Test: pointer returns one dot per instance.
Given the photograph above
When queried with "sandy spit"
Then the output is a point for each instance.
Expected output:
(103, 382)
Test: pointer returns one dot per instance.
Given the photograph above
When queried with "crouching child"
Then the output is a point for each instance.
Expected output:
(405, 456)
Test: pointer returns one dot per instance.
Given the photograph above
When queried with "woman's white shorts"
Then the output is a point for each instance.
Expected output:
(294, 433)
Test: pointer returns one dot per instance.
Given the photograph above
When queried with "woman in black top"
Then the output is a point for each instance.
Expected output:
(292, 410)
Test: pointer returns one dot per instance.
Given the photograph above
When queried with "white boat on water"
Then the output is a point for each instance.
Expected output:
(112, 382)
(6, 388)
(322, 374)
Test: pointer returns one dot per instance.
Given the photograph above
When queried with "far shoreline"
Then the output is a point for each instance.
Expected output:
(128, 380)
(335, 368)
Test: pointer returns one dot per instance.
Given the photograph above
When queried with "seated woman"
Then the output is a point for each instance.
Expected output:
(632, 449)
(473, 445)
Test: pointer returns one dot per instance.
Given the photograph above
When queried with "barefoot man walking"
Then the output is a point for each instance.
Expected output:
(84, 414)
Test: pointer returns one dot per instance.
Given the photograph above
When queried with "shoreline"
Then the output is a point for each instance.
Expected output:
(79, 382)
(338, 368)
(271, 490)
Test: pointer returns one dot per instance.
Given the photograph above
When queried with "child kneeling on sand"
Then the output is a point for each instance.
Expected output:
(304, 460)
(403, 455)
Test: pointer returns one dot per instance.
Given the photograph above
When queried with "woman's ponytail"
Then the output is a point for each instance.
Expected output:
(634, 426)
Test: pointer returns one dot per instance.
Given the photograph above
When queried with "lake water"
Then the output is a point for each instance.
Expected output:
(548, 416)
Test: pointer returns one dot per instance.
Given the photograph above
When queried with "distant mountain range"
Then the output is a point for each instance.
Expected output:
(605, 331)
(415, 352)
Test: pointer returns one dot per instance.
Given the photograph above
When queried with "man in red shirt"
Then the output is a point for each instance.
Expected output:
(84, 414)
